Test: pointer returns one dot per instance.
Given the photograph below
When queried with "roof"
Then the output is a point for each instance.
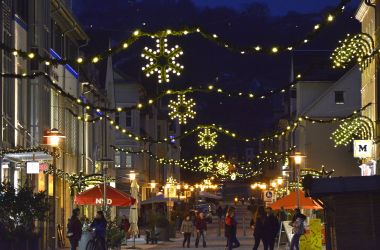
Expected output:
(344, 185)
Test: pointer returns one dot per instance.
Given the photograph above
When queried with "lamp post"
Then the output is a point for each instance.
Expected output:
(105, 162)
(298, 157)
(53, 137)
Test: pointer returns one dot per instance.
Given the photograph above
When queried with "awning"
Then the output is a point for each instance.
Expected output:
(209, 195)
(157, 199)
(94, 196)
(28, 156)
(290, 202)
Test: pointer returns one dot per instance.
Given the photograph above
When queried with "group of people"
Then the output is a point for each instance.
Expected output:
(74, 228)
(265, 225)
(188, 226)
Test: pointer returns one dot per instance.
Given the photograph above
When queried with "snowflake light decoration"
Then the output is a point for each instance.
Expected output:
(207, 138)
(206, 164)
(182, 109)
(162, 60)
(222, 168)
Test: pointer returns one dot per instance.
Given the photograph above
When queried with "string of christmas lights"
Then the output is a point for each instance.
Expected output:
(360, 127)
(360, 47)
(137, 34)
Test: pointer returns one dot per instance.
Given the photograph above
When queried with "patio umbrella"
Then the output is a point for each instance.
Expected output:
(133, 211)
(290, 202)
(94, 196)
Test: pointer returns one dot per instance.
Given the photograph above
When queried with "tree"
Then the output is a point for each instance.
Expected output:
(20, 209)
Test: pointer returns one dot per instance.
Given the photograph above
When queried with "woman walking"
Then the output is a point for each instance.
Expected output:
(257, 223)
(231, 229)
(186, 229)
(298, 224)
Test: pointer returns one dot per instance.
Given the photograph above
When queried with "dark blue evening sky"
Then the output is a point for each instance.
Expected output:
(277, 7)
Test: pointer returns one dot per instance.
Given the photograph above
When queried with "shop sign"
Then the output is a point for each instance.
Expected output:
(100, 201)
(32, 167)
(363, 148)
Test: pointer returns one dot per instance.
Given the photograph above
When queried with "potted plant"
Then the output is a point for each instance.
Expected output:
(115, 235)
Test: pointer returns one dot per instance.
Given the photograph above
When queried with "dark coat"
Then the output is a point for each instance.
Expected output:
(201, 224)
(271, 227)
(100, 226)
(259, 226)
(75, 226)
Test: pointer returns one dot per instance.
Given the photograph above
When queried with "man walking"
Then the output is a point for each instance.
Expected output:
(271, 228)
(201, 227)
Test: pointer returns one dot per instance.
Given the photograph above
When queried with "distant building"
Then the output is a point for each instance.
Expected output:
(322, 100)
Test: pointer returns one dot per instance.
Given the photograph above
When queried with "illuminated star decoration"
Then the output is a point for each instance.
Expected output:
(182, 109)
(207, 138)
(206, 164)
(162, 60)
(222, 168)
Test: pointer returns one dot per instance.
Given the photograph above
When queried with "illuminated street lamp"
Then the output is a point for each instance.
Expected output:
(298, 157)
(53, 138)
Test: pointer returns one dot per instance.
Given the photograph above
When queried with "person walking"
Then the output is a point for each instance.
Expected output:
(124, 226)
(201, 228)
(100, 226)
(271, 228)
(298, 224)
(283, 215)
(219, 212)
(231, 229)
(74, 229)
(187, 230)
(257, 224)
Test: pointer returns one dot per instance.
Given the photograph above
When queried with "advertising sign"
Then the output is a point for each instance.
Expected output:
(363, 148)
(32, 167)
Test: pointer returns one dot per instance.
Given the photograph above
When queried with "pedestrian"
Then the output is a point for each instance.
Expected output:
(283, 215)
(225, 210)
(74, 229)
(271, 228)
(219, 212)
(201, 227)
(124, 226)
(257, 224)
(231, 229)
(100, 226)
(187, 230)
(298, 224)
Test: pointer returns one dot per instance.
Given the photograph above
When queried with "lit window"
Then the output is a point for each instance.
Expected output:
(128, 161)
(117, 159)
(339, 97)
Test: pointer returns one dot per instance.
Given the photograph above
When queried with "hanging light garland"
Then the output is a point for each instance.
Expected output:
(207, 138)
(360, 47)
(137, 34)
(182, 109)
(162, 61)
(360, 127)
(206, 164)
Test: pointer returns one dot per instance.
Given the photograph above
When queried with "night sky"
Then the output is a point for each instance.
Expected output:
(242, 22)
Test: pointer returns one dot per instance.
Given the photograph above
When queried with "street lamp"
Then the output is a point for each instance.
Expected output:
(53, 137)
(105, 162)
(298, 157)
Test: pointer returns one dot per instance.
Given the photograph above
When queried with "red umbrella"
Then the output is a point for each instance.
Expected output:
(290, 202)
(94, 196)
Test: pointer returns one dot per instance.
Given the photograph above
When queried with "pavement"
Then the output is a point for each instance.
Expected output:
(214, 241)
